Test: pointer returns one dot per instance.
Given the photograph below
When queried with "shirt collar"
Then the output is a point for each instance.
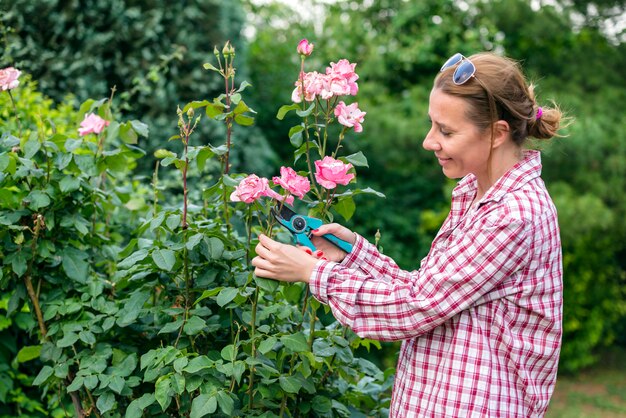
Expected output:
(520, 174)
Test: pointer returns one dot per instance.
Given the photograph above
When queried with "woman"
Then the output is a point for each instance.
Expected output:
(480, 319)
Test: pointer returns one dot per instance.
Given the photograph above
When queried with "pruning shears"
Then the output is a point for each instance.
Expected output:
(301, 226)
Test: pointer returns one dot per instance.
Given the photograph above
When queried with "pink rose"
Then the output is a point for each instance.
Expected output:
(350, 116)
(9, 78)
(250, 189)
(313, 84)
(292, 182)
(92, 124)
(345, 70)
(330, 172)
(305, 48)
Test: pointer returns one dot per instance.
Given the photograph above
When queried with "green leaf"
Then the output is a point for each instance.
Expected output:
(243, 86)
(194, 240)
(226, 295)
(290, 384)
(227, 405)
(228, 353)
(321, 404)
(306, 112)
(195, 104)
(194, 325)
(214, 248)
(44, 374)
(76, 384)
(164, 153)
(173, 221)
(267, 285)
(295, 136)
(209, 66)
(345, 207)
(67, 340)
(37, 200)
(105, 402)
(163, 392)
(29, 352)
(164, 259)
(295, 342)
(198, 363)
(244, 120)
(31, 147)
(285, 109)
(87, 337)
(213, 110)
(171, 326)
(136, 407)
(19, 265)
(4, 161)
(180, 363)
(117, 384)
(178, 383)
(203, 405)
(133, 259)
(141, 128)
(132, 308)
(241, 108)
(267, 345)
(69, 184)
(208, 293)
(74, 264)
(358, 159)
(128, 134)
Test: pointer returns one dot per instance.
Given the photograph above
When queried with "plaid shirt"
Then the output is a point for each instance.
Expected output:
(481, 318)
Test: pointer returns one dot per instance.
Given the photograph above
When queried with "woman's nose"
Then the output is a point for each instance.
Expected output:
(429, 143)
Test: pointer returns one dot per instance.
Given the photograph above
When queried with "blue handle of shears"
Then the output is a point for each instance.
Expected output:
(303, 239)
(344, 245)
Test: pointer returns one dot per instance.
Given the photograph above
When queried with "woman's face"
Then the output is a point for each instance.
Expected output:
(460, 147)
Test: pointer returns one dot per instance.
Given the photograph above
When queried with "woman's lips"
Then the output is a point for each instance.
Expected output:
(443, 161)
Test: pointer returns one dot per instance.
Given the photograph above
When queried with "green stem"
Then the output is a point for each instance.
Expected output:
(312, 320)
(39, 225)
(17, 116)
(253, 350)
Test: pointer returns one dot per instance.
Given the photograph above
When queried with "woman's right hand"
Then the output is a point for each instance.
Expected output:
(329, 250)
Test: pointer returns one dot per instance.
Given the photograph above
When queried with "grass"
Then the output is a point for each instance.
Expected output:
(599, 392)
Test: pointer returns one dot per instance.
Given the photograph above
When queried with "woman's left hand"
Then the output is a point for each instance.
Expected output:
(282, 262)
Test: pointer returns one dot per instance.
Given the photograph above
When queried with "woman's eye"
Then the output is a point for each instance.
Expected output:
(444, 133)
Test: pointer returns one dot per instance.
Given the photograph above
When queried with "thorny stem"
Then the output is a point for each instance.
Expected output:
(306, 128)
(253, 350)
(185, 190)
(187, 280)
(17, 116)
(39, 225)
(228, 74)
(155, 182)
(341, 135)
(60, 396)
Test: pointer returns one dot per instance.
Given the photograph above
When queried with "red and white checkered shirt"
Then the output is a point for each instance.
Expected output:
(481, 318)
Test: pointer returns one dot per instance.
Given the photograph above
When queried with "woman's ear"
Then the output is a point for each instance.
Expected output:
(502, 133)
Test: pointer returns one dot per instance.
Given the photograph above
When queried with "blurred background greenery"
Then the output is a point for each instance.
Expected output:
(152, 51)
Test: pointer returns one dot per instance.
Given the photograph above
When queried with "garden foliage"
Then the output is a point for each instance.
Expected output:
(117, 303)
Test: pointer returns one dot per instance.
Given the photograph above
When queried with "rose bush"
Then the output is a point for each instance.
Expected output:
(126, 302)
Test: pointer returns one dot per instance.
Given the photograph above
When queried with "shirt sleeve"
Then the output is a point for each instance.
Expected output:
(369, 293)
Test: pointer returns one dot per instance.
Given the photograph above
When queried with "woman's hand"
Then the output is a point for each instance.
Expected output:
(282, 262)
(329, 250)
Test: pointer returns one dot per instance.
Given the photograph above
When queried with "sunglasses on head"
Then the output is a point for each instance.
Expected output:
(464, 71)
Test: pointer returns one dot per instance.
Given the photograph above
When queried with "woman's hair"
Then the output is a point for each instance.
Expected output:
(499, 91)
